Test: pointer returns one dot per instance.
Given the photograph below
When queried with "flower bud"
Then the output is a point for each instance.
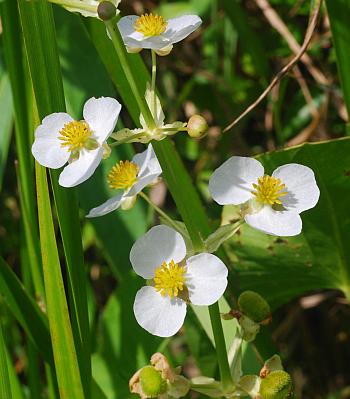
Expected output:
(197, 126)
(152, 383)
(254, 306)
(106, 10)
(277, 385)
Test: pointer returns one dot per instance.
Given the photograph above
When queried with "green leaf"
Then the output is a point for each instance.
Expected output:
(283, 268)
(339, 15)
(41, 47)
(65, 357)
(5, 385)
(25, 310)
(6, 120)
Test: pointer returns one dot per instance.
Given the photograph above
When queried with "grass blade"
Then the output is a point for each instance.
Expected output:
(5, 385)
(40, 42)
(66, 363)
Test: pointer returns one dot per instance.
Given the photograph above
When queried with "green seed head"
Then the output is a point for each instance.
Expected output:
(197, 126)
(254, 306)
(106, 10)
(277, 385)
(152, 383)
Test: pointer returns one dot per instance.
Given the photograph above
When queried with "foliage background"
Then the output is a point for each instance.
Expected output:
(217, 72)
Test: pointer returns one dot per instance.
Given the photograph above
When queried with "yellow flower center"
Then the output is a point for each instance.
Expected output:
(123, 175)
(268, 190)
(75, 135)
(150, 25)
(169, 279)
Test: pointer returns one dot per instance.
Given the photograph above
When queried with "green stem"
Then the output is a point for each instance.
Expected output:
(220, 344)
(158, 210)
(190, 209)
(127, 140)
(120, 49)
(153, 82)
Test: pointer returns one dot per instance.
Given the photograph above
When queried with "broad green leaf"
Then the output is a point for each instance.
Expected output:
(283, 268)
(339, 14)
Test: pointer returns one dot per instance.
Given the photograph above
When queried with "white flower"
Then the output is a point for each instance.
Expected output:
(60, 139)
(87, 8)
(270, 203)
(146, 134)
(131, 177)
(153, 32)
(159, 256)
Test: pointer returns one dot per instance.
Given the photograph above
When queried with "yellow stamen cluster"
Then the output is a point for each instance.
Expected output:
(75, 135)
(169, 279)
(123, 175)
(268, 190)
(150, 25)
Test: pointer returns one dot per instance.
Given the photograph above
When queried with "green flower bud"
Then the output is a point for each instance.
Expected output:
(277, 385)
(197, 126)
(254, 306)
(152, 383)
(106, 10)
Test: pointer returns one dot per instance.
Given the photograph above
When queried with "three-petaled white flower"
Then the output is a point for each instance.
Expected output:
(269, 203)
(159, 256)
(131, 178)
(60, 139)
(153, 32)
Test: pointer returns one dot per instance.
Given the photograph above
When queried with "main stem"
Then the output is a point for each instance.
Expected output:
(214, 312)
(158, 210)
(118, 44)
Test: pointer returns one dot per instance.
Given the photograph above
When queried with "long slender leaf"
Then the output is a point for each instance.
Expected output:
(14, 59)
(6, 110)
(66, 363)
(39, 36)
(5, 385)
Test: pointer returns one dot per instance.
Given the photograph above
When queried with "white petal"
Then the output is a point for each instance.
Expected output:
(159, 315)
(180, 27)
(206, 278)
(141, 159)
(231, 183)
(101, 114)
(276, 223)
(107, 207)
(47, 148)
(80, 170)
(160, 244)
(301, 185)
(150, 169)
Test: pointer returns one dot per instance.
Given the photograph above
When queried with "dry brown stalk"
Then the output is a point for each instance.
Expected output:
(308, 35)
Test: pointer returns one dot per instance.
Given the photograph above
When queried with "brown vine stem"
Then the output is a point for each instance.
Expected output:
(308, 35)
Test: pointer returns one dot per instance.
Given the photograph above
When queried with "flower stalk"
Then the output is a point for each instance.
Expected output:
(118, 44)
(194, 231)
